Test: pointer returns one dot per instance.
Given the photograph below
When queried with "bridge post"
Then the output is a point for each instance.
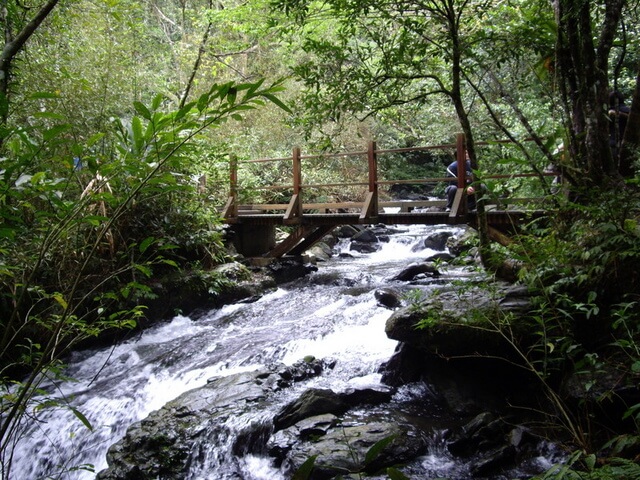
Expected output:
(230, 209)
(254, 240)
(370, 208)
(294, 210)
(459, 207)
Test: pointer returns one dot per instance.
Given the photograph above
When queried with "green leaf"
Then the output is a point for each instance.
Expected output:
(82, 418)
(275, 100)
(7, 233)
(183, 111)
(60, 299)
(157, 100)
(146, 243)
(304, 472)
(136, 129)
(377, 448)
(54, 132)
(142, 110)
(93, 139)
(590, 461)
(49, 116)
(146, 271)
(94, 220)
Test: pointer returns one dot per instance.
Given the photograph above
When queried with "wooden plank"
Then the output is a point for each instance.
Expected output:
(288, 243)
(230, 208)
(294, 210)
(311, 238)
(370, 208)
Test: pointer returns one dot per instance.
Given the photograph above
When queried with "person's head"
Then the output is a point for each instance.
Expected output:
(615, 99)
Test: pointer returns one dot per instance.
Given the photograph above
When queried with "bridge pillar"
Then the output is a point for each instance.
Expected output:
(254, 240)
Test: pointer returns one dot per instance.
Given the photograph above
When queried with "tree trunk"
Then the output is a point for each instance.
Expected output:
(13, 45)
(631, 138)
(583, 68)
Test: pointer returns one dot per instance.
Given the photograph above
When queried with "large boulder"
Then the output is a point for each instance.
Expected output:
(342, 447)
(458, 323)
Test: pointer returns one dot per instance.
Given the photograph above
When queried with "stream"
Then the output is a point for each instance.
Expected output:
(331, 313)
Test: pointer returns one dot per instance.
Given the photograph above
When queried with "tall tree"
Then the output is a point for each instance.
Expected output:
(16, 36)
(586, 32)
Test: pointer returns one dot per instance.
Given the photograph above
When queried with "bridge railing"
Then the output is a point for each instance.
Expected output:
(367, 188)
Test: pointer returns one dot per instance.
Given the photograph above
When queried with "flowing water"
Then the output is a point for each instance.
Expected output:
(331, 313)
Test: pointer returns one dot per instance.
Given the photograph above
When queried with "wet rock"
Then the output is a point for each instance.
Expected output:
(461, 322)
(405, 366)
(330, 240)
(415, 269)
(494, 441)
(345, 231)
(388, 297)
(309, 367)
(365, 236)
(282, 441)
(494, 461)
(441, 256)
(317, 401)
(312, 402)
(437, 241)
(321, 251)
(459, 245)
(363, 247)
(345, 447)
(289, 269)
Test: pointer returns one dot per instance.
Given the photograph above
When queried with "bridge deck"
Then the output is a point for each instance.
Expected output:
(494, 218)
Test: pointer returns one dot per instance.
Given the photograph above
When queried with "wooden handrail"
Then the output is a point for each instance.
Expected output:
(371, 203)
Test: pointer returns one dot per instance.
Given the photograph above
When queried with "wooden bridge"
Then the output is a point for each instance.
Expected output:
(254, 224)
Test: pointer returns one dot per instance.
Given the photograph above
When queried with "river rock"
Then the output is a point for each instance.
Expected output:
(345, 231)
(461, 244)
(494, 443)
(289, 269)
(440, 256)
(345, 447)
(388, 297)
(437, 241)
(363, 247)
(464, 348)
(321, 251)
(415, 269)
(322, 401)
(458, 323)
(365, 236)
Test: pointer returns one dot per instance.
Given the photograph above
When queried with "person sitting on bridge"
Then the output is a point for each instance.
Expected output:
(618, 114)
(452, 188)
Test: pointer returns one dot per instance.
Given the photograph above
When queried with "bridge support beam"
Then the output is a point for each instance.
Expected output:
(254, 240)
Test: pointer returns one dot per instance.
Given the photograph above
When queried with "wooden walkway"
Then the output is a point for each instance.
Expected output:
(314, 220)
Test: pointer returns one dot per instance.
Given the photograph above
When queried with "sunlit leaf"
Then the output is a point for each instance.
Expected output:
(82, 418)
(146, 243)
